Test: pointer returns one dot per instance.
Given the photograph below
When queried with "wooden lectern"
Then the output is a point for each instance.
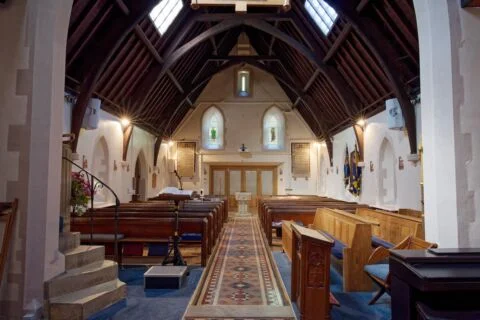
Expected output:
(311, 273)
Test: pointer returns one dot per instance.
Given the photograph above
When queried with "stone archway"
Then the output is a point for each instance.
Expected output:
(101, 168)
(387, 184)
(140, 177)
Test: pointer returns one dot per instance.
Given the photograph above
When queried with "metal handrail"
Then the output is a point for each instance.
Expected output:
(96, 183)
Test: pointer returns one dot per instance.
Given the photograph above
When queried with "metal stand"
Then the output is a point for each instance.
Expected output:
(174, 255)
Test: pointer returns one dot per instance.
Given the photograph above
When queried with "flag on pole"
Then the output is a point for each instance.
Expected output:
(346, 168)
(356, 176)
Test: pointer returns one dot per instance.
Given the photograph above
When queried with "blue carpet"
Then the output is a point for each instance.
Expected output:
(165, 304)
(169, 304)
(354, 305)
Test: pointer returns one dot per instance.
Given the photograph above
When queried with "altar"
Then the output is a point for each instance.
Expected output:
(242, 199)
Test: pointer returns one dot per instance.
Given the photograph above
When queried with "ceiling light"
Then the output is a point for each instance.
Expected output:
(125, 122)
(361, 122)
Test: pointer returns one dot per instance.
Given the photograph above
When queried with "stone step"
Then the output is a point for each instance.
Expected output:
(81, 278)
(81, 304)
(69, 241)
(83, 255)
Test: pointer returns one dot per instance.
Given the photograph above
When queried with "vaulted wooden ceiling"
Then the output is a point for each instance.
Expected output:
(115, 52)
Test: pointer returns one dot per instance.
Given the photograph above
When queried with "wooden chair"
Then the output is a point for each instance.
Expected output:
(7, 214)
(378, 270)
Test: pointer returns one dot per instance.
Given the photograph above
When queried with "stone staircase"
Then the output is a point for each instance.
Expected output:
(89, 284)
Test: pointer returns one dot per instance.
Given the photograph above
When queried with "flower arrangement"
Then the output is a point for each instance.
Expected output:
(81, 193)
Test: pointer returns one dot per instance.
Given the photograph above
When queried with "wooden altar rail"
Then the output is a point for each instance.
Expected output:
(146, 229)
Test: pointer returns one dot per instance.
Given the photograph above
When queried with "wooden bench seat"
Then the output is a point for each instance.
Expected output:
(303, 213)
(392, 228)
(213, 232)
(145, 229)
(353, 235)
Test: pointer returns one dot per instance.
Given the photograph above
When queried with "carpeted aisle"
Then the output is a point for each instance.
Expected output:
(241, 280)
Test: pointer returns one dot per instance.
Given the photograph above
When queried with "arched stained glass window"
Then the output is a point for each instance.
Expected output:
(212, 129)
(273, 129)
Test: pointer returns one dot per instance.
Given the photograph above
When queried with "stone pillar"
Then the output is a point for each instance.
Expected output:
(449, 76)
(34, 35)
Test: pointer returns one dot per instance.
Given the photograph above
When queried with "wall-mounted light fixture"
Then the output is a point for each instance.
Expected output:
(125, 122)
(170, 142)
(362, 123)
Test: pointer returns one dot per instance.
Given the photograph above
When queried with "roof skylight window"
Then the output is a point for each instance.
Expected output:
(164, 13)
(323, 15)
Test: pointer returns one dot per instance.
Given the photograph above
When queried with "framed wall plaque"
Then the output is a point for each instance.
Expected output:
(300, 159)
(186, 159)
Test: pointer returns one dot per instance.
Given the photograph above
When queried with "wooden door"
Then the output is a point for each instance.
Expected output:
(229, 179)
(234, 185)
(251, 185)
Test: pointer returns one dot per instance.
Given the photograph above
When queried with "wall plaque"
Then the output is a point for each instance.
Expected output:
(186, 158)
(300, 159)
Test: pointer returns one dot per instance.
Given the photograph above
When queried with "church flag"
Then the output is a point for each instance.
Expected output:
(346, 168)
(356, 176)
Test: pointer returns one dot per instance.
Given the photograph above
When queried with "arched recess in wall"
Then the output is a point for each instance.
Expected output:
(101, 168)
(141, 176)
(213, 129)
(387, 184)
(273, 129)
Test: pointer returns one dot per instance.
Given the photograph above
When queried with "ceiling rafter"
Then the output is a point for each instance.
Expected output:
(387, 57)
(117, 29)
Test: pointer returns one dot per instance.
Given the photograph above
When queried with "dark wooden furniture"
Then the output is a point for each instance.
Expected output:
(311, 273)
(8, 212)
(447, 283)
(377, 267)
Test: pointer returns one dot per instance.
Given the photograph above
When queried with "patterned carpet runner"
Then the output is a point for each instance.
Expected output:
(241, 280)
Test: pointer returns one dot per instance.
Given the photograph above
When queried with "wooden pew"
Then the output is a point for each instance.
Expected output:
(392, 228)
(215, 221)
(212, 236)
(303, 213)
(352, 237)
(145, 230)
(411, 213)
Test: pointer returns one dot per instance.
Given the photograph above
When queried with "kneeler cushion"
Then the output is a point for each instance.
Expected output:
(192, 236)
(157, 249)
(133, 249)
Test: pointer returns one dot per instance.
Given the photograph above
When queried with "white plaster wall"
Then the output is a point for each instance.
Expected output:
(450, 68)
(407, 180)
(243, 124)
(120, 180)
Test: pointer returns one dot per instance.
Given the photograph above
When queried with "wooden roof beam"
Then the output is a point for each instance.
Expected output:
(106, 43)
(233, 16)
(386, 55)
(243, 58)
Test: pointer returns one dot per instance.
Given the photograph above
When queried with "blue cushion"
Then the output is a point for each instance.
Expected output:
(378, 270)
(379, 242)
(157, 249)
(192, 236)
(337, 249)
